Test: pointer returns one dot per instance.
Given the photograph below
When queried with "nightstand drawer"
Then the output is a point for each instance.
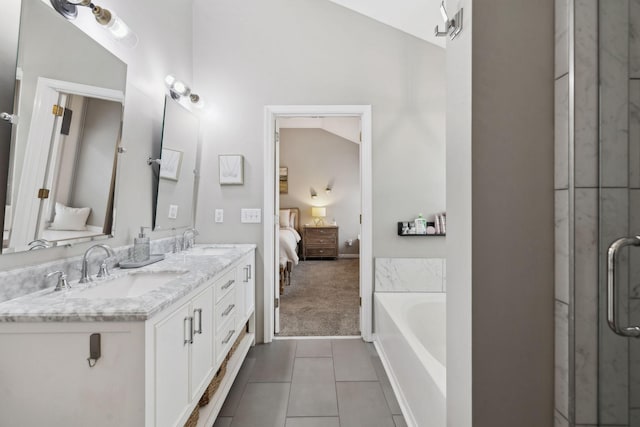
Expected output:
(321, 240)
(321, 252)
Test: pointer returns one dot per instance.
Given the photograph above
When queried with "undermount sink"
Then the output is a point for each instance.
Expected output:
(208, 250)
(129, 285)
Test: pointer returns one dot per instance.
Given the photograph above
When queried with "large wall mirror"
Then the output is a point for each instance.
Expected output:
(63, 144)
(175, 176)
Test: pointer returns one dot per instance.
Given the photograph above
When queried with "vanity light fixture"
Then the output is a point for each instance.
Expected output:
(116, 26)
(178, 89)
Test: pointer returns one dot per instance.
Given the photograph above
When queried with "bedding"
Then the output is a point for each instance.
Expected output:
(289, 239)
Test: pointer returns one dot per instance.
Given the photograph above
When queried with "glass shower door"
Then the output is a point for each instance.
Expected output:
(619, 213)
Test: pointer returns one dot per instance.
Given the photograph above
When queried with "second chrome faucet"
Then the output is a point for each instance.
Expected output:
(85, 277)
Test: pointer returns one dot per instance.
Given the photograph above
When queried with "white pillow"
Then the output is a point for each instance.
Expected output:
(292, 219)
(284, 217)
(72, 219)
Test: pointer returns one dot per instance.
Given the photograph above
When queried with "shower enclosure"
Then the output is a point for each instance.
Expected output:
(597, 193)
(619, 212)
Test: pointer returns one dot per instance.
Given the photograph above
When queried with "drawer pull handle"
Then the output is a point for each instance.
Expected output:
(228, 310)
(188, 331)
(249, 267)
(198, 312)
(228, 284)
(228, 337)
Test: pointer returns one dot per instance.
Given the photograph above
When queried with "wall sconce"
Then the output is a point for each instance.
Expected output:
(328, 189)
(314, 194)
(116, 26)
(318, 214)
(178, 89)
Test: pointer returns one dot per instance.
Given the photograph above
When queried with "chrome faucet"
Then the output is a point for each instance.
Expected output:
(186, 244)
(62, 280)
(40, 244)
(104, 271)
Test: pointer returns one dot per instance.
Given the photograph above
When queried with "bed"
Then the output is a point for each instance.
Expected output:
(289, 238)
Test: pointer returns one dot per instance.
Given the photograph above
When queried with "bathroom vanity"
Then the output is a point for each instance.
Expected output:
(164, 331)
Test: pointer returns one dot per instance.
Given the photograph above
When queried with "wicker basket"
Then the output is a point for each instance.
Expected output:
(193, 419)
(236, 344)
(213, 385)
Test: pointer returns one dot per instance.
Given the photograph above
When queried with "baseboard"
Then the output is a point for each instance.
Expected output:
(402, 401)
(349, 256)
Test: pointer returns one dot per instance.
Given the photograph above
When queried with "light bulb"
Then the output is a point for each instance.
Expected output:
(169, 80)
(120, 31)
(180, 88)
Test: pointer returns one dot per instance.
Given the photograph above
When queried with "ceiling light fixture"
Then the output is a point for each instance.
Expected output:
(178, 89)
(106, 18)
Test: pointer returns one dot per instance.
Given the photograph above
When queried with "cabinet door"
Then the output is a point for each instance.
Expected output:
(172, 337)
(202, 348)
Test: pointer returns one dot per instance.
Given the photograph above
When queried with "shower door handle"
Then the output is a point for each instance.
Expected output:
(612, 300)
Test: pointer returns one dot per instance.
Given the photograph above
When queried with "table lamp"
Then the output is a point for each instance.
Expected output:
(318, 215)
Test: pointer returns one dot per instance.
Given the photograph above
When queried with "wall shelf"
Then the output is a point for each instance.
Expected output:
(417, 235)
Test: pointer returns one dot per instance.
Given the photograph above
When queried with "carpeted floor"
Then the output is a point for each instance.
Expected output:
(322, 300)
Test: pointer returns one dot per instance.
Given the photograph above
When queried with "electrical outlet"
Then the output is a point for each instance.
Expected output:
(251, 216)
(173, 211)
(219, 215)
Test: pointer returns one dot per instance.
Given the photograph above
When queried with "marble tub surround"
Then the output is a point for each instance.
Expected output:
(410, 275)
(71, 306)
(27, 280)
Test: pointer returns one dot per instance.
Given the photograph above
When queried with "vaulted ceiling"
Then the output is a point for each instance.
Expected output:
(415, 17)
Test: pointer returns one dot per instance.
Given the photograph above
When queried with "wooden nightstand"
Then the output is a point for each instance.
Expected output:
(320, 242)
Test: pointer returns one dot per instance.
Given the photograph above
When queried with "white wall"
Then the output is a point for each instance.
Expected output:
(164, 31)
(334, 56)
(314, 158)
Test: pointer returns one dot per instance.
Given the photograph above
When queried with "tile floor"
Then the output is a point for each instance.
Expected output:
(311, 383)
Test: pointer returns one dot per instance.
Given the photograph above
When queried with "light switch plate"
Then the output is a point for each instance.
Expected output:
(251, 216)
(173, 211)
(219, 215)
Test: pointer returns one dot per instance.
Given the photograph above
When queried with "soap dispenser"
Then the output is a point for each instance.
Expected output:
(141, 246)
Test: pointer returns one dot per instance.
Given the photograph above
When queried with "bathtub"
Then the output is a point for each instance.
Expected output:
(410, 336)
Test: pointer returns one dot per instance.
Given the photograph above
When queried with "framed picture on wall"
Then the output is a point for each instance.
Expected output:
(231, 169)
(170, 163)
(284, 180)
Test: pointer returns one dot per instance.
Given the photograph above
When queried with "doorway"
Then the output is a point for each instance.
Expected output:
(272, 303)
(319, 234)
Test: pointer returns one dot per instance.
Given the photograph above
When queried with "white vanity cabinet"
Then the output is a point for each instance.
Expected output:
(151, 373)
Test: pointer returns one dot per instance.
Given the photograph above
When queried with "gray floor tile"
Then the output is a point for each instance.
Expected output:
(313, 400)
(310, 370)
(352, 361)
(233, 398)
(314, 348)
(313, 422)
(362, 404)
(394, 406)
(222, 422)
(371, 348)
(274, 362)
(261, 405)
(399, 420)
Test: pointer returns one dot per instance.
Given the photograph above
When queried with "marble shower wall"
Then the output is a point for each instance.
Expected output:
(597, 201)
(410, 275)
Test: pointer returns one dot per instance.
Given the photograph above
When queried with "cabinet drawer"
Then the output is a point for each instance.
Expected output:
(321, 241)
(224, 285)
(227, 307)
(225, 338)
(321, 252)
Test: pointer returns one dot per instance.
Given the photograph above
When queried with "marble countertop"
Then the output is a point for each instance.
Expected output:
(72, 306)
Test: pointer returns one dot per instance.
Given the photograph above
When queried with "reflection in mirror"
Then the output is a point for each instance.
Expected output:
(63, 158)
(175, 177)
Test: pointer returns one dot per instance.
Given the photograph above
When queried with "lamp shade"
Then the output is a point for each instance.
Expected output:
(317, 212)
